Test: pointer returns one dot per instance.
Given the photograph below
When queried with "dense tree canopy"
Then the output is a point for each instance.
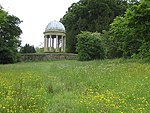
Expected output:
(131, 33)
(91, 15)
(9, 37)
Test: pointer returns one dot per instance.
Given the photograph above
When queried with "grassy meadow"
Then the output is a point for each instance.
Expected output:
(100, 86)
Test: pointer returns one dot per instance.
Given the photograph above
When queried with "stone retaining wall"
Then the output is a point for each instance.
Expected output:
(48, 56)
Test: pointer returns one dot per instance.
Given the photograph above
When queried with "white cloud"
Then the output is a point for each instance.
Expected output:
(36, 14)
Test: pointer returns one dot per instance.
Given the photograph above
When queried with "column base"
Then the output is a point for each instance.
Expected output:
(52, 49)
(46, 50)
(57, 49)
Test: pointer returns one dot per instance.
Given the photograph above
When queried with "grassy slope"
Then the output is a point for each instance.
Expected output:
(71, 86)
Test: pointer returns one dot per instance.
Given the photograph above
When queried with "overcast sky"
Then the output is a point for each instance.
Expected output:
(36, 14)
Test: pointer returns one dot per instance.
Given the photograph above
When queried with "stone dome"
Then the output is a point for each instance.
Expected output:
(55, 26)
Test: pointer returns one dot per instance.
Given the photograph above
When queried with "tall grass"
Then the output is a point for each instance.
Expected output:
(111, 86)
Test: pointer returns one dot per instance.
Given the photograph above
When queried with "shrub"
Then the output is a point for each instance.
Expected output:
(27, 49)
(8, 56)
(89, 46)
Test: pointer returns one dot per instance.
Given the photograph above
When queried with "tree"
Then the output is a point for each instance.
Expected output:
(9, 37)
(90, 15)
(130, 34)
(89, 46)
(139, 20)
(27, 49)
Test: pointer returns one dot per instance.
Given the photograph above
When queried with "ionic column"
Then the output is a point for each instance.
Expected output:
(57, 46)
(62, 44)
(47, 43)
(44, 43)
(50, 43)
(52, 48)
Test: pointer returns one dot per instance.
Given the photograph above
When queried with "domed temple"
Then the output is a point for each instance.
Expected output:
(55, 37)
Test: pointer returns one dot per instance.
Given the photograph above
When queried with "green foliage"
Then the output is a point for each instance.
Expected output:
(27, 49)
(39, 50)
(109, 45)
(111, 86)
(9, 37)
(130, 34)
(120, 39)
(138, 17)
(89, 46)
(90, 15)
(8, 56)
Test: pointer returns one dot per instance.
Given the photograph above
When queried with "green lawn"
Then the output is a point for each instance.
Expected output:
(107, 86)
